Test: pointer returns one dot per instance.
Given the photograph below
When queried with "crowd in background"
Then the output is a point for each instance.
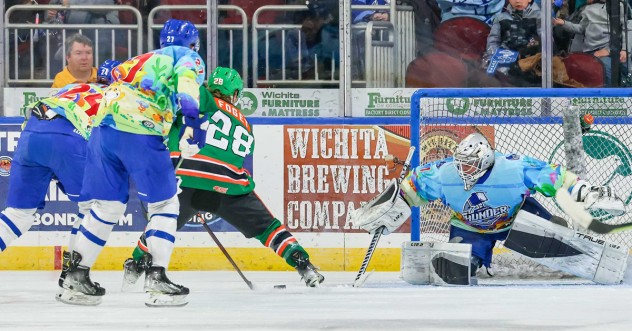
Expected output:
(461, 37)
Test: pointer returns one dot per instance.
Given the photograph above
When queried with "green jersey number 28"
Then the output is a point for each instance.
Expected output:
(241, 139)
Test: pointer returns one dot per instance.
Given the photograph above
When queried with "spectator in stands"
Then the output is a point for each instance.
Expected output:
(358, 16)
(514, 29)
(92, 17)
(484, 10)
(80, 60)
(594, 28)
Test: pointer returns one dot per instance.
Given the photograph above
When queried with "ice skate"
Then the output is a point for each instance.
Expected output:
(64, 271)
(162, 292)
(307, 270)
(79, 289)
(132, 271)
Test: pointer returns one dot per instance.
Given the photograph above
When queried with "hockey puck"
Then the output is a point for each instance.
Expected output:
(279, 286)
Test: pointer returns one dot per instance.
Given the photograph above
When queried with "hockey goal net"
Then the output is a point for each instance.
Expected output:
(529, 122)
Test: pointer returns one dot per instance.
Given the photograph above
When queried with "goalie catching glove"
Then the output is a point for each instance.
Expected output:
(598, 198)
(193, 135)
(388, 209)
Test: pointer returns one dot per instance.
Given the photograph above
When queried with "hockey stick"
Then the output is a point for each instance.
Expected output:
(362, 276)
(219, 244)
(230, 259)
(583, 218)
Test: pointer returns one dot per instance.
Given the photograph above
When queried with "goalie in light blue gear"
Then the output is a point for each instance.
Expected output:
(485, 190)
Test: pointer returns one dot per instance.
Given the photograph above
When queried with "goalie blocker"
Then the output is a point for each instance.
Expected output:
(565, 249)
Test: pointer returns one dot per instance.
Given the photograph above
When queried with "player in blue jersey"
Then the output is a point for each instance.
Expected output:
(485, 189)
(52, 146)
(128, 142)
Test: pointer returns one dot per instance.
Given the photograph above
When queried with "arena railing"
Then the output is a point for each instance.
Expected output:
(151, 27)
(256, 26)
(406, 41)
(380, 56)
(138, 27)
(402, 37)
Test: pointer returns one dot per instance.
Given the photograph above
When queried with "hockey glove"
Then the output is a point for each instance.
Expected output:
(387, 209)
(596, 198)
(192, 135)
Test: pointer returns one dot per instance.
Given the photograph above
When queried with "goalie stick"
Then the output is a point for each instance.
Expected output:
(362, 275)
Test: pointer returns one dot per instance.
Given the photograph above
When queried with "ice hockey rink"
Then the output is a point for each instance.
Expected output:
(220, 300)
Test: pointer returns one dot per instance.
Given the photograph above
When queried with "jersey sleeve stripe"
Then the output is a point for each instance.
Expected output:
(200, 174)
(215, 161)
(213, 169)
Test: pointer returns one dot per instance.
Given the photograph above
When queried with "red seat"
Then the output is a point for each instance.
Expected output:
(464, 37)
(586, 69)
(436, 70)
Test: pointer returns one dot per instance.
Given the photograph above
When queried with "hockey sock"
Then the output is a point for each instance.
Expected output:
(84, 208)
(141, 248)
(95, 229)
(281, 241)
(161, 230)
(13, 223)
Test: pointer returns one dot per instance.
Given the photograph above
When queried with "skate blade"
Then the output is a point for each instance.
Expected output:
(59, 293)
(157, 299)
(316, 282)
(71, 297)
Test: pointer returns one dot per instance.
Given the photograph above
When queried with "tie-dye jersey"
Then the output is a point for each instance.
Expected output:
(490, 205)
(78, 103)
(150, 88)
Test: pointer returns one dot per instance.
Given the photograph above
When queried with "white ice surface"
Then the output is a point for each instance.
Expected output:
(221, 301)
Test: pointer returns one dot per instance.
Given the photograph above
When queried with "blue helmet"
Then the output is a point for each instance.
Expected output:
(179, 33)
(105, 70)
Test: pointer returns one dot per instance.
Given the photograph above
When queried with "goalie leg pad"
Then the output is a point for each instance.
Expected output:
(565, 249)
(388, 209)
(434, 263)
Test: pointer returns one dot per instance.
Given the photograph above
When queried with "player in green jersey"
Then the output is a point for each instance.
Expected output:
(212, 178)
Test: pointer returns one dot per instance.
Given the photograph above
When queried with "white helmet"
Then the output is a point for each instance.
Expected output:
(472, 158)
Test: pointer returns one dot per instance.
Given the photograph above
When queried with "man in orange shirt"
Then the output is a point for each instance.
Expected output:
(79, 57)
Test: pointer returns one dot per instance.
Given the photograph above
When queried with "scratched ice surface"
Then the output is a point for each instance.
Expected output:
(221, 301)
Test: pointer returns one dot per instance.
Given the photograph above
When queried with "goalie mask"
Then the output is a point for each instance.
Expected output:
(472, 158)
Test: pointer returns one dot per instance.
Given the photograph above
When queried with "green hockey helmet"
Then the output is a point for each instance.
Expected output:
(227, 81)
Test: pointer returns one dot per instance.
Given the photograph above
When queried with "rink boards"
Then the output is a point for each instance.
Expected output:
(309, 173)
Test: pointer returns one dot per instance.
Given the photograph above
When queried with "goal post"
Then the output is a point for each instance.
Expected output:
(540, 123)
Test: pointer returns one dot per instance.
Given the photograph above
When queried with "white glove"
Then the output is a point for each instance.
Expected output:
(188, 149)
(596, 198)
(388, 209)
